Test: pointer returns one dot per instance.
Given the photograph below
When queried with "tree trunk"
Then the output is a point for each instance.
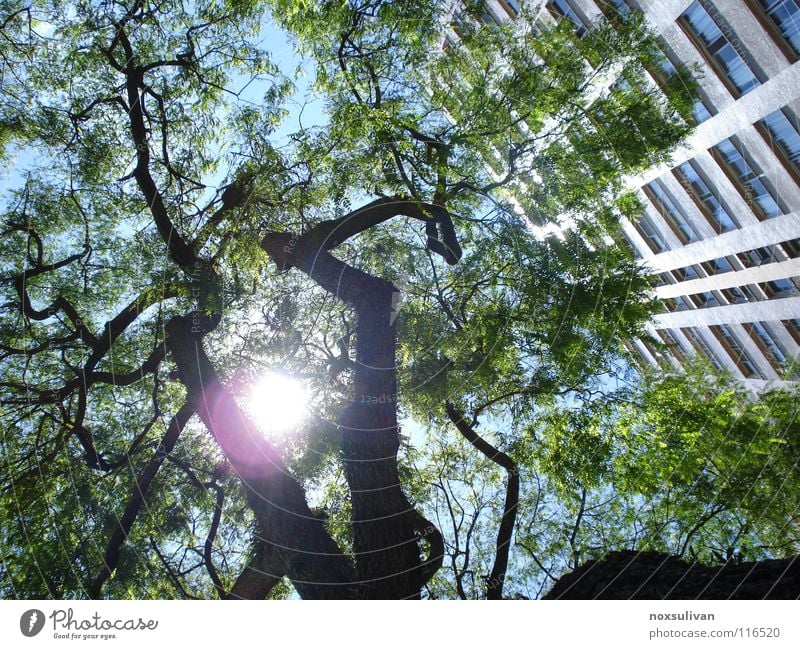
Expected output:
(386, 527)
(384, 538)
(302, 547)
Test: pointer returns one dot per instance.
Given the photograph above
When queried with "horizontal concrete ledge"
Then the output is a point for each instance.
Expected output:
(766, 233)
(764, 311)
(765, 273)
(760, 385)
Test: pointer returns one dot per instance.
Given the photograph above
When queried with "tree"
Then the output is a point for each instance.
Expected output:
(140, 302)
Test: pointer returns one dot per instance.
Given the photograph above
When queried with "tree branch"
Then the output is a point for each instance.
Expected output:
(327, 235)
(179, 250)
(494, 588)
(262, 573)
(137, 498)
(208, 546)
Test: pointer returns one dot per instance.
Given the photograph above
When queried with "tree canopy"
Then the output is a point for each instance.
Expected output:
(467, 434)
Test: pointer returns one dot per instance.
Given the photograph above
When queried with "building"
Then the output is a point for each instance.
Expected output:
(722, 224)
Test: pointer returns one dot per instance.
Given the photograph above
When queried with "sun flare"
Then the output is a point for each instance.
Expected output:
(278, 403)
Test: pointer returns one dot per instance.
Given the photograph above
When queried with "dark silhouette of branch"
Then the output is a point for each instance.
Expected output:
(536, 560)
(327, 235)
(576, 527)
(208, 546)
(179, 250)
(175, 579)
(716, 509)
(139, 495)
(494, 589)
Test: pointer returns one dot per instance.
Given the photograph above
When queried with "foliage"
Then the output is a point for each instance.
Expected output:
(147, 178)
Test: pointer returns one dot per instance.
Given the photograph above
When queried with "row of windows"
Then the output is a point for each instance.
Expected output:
(747, 178)
(780, 130)
(714, 38)
(770, 345)
(723, 50)
(763, 335)
(776, 289)
(720, 47)
(731, 345)
(672, 214)
(697, 341)
(718, 43)
(782, 20)
(710, 206)
(620, 9)
(667, 69)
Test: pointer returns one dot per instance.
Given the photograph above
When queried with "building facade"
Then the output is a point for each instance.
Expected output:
(722, 225)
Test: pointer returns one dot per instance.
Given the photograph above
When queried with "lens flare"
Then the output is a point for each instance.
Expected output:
(278, 403)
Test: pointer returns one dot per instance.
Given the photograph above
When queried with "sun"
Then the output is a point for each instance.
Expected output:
(278, 403)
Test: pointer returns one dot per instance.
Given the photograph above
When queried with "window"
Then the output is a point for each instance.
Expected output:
(791, 248)
(785, 15)
(750, 182)
(784, 137)
(686, 273)
(666, 206)
(779, 288)
(757, 257)
(700, 345)
(793, 327)
(663, 279)
(562, 8)
(654, 352)
(732, 346)
(663, 76)
(700, 112)
(717, 215)
(717, 266)
(511, 7)
(739, 295)
(672, 344)
(718, 49)
(667, 67)
(767, 343)
(679, 303)
(703, 300)
(651, 236)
